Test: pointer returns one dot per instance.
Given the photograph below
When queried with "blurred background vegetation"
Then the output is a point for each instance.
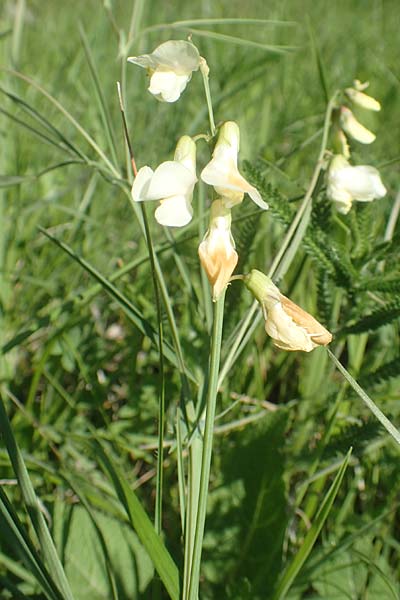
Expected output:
(76, 371)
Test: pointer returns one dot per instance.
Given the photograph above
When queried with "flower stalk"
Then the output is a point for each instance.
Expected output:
(216, 339)
(205, 71)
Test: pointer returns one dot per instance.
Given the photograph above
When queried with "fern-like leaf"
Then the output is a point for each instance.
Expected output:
(383, 373)
(374, 320)
(355, 435)
(324, 296)
(384, 283)
(316, 243)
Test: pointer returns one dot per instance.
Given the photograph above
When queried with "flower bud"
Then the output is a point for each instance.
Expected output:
(217, 252)
(289, 326)
(362, 100)
(353, 128)
(356, 95)
(222, 171)
(340, 144)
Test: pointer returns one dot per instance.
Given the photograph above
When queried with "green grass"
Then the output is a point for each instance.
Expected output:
(79, 366)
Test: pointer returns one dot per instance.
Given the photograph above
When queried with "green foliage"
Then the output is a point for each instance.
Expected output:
(131, 567)
(382, 374)
(375, 319)
(79, 362)
(248, 510)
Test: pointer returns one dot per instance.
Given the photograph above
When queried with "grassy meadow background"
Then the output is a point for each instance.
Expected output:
(80, 379)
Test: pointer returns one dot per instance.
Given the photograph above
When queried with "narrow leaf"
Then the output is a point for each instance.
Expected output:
(132, 312)
(384, 421)
(298, 561)
(144, 528)
(33, 507)
(13, 533)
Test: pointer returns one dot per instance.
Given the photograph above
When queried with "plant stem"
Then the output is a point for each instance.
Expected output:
(204, 73)
(153, 263)
(384, 421)
(193, 492)
(310, 190)
(218, 318)
(161, 405)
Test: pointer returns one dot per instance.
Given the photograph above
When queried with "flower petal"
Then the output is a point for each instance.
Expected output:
(141, 184)
(167, 85)
(146, 61)
(171, 179)
(362, 182)
(256, 197)
(180, 56)
(354, 128)
(175, 55)
(217, 252)
(222, 171)
(285, 333)
(174, 212)
(363, 100)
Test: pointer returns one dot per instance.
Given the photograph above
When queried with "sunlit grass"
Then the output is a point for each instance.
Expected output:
(80, 370)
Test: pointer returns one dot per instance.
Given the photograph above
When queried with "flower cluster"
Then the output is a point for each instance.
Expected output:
(346, 183)
(170, 67)
(172, 183)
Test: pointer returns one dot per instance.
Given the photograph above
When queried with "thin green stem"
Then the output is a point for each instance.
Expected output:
(193, 491)
(238, 338)
(384, 421)
(205, 74)
(216, 338)
(71, 119)
(310, 190)
(153, 263)
(161, 405)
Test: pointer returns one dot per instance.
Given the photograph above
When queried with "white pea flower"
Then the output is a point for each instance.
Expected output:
(289, 326)
(170, 67)
(357, 96)
(353, 128)
(217, 252)
(347, 183)
(222, 171)
(172, 183)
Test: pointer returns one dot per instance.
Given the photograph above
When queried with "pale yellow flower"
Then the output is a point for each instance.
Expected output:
(289, 326)
(347, 183)
(170, 67)
(354, 128)
(222, 171)
(358, 97)
(172, 183)
(217, 252)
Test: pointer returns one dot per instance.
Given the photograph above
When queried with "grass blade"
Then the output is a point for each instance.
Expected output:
(319, 61)
(11, 180)
(132, 312)
(13, 532)
(63, 144)
(162, 560)
(298, 561)
(231, 39)
(33, 507)
(104, 112)
(71, 119)
(201, 22)
(383, 420)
